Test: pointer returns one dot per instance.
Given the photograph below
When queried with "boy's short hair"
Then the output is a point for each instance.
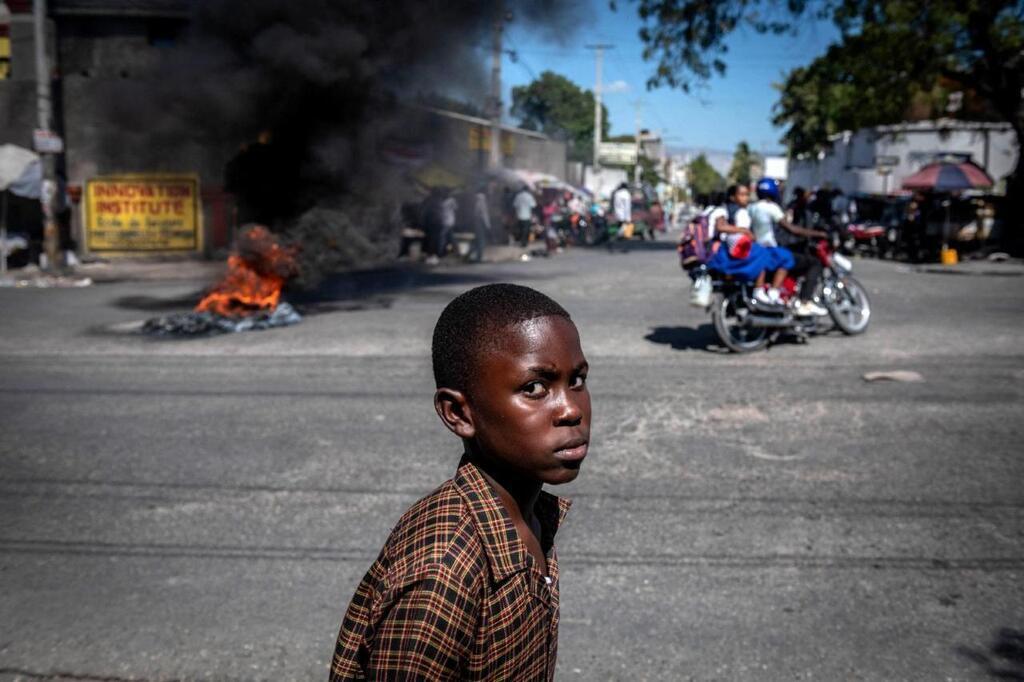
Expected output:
(471, 324)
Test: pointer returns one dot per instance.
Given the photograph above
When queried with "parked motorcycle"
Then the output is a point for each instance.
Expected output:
(744, 325)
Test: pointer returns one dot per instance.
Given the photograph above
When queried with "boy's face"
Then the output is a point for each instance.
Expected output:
(530, 403)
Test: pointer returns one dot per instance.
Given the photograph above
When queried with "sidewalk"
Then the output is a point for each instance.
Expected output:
(1013, 267)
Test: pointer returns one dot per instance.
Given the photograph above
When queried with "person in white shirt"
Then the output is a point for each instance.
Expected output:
(524, 205)
(735, 224)
(767, 216)
(622, 204)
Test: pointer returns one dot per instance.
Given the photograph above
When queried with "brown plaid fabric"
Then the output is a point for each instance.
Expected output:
(455, 595)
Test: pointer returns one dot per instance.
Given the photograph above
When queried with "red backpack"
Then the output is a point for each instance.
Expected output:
(695, 245)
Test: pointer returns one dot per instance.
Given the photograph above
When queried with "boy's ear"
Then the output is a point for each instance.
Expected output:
(453, 409)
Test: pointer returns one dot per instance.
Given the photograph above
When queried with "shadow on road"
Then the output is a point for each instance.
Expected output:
(363, 284)
(1004, 659)
(626, 246)
(347, 291)
(686, 338)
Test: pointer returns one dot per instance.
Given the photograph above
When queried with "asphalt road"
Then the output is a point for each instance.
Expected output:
(203, 509)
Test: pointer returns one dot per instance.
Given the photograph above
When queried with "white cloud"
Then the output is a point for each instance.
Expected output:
(615, 86)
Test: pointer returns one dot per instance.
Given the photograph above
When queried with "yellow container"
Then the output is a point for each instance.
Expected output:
(949, 256)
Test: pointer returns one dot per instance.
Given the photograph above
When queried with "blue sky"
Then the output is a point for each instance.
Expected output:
(729, 109)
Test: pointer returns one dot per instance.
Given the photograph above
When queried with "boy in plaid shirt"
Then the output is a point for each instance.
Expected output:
(466, 586)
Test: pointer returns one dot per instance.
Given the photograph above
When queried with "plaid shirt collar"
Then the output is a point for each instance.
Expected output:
(505, 552)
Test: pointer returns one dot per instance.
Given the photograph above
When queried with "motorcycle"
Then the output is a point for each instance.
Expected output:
(743, 324)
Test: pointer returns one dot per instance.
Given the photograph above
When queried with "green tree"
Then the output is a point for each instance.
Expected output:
(850, 87)
(890, 53)
(704, 179)
(742, 159)
(556, 106)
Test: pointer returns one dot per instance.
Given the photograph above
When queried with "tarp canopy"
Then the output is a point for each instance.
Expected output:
(435, 176)
(21, 172)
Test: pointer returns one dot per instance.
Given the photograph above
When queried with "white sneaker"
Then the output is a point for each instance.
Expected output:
(763, 296)
(809, 309)
(768, 297)
(432, 260)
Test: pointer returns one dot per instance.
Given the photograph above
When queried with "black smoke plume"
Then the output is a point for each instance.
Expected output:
(309, 90)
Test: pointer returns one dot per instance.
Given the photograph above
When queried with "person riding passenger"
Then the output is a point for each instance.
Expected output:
(766, 217)
(741, 256)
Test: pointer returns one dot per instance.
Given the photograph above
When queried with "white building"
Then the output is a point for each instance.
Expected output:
(876, 160)
(776, 167)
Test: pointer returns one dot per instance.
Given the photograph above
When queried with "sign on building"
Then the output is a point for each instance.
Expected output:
(47, 142)
(617, 153)
(480, 140)
(143, 213)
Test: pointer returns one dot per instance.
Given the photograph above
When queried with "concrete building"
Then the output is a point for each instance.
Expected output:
(105, 55)
(652, 146)
(461, 143)
(99, 50)
(876, 160)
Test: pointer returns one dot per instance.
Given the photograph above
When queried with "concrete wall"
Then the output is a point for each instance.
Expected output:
(18, 113)
(852, 162)
(104, 63)
(460, 143)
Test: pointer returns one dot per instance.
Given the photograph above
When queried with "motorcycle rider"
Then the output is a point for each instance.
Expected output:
(741, 256)
(767, 217)
(737, 215)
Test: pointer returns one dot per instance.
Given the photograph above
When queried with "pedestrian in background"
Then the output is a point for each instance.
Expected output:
(524, 205)
(447, 208)
(481, 220)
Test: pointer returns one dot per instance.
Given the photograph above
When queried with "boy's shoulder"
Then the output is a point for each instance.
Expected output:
(438, 530)
(461, 530)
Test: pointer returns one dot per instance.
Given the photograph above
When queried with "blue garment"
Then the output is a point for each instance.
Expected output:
(781, 257)
(761, 258)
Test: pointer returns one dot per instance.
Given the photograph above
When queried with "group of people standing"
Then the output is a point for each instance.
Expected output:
(436, 219)
(551, 217)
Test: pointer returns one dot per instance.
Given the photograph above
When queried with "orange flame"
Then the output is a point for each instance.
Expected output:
(256, 274)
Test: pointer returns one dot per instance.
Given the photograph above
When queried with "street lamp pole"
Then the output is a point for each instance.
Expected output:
(44, 101)
(598, 57)
(495, 149)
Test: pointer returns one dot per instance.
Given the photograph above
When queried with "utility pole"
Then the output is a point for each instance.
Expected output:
(599, 49)
(499, 21)
(638, 105)
(48, 195)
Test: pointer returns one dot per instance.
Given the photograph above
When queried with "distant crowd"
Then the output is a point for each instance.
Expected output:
(540, 220)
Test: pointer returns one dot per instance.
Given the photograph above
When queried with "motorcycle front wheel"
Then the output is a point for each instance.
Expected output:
(848, 305)
(731, 329)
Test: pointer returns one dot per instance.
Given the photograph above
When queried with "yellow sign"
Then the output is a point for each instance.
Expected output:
(143, 213)
(480, 139)
(5, 52)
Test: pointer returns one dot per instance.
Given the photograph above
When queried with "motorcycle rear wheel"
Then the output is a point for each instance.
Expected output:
(849, 306)
(734, 335)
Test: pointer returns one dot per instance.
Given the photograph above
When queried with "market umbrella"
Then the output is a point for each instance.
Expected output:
(434, 175)
(945, 176)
